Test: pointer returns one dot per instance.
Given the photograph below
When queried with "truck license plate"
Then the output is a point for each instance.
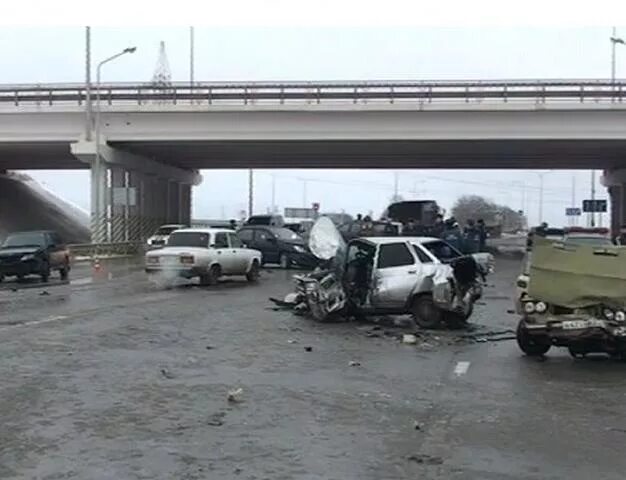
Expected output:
(580, 324)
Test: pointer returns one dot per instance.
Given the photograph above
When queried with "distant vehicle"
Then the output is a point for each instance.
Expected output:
(214, 224)
(422, 212)
(159, 238)
(338, 218)
(207, 253)
(597, 237)
(278, 245)
(34, 253)
(267, 220)
(357, 229)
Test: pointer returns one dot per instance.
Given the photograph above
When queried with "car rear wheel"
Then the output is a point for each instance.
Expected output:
(253, 273)
(45, 272)
(210, 278)
(425, 312)
(527, 344)
(284, 261)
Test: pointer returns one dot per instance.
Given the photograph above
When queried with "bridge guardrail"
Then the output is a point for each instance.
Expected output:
(93, 250)
(209, 93)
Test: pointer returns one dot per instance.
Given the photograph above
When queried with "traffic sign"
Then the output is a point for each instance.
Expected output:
(573, 212)
(316, 207)
(594, 206)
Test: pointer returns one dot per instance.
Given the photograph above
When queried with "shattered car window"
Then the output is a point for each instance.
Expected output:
(394, 255)
(442, 250)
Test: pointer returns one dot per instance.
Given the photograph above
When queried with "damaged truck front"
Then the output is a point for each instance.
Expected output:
(421, 276)
(576, 299)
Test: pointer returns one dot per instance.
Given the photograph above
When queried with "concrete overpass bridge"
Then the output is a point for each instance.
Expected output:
(153, 140)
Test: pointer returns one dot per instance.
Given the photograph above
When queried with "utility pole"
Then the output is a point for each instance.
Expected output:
(273, 193)
(593, 196)
(191, 58)
(88, 105)
(250, 192)
(541, 197)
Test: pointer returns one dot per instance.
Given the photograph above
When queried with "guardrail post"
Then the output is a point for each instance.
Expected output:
(319, 94)
(619, 90)
(210, 96)
(356, 94)
(139, 96)
(466, 94)
(504, 94)
(50, 97)
(174, 96)
(110, 95)
(391, 99)
(282, 95)
(582, 94)
(430, 94)
(245, 96)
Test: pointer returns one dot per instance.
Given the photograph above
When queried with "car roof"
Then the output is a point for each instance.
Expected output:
(385, 240)
(205, 230)
(269, 227)
(173, 225)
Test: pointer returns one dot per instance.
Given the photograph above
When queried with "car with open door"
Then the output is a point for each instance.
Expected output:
(34, 253)
(206, 253)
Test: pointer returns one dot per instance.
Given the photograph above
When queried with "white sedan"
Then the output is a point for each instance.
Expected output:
(207, 253)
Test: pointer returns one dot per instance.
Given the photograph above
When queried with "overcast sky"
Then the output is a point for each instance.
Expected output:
(322, 53)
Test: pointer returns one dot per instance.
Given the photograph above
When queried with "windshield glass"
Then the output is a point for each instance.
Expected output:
(286, 234)
(442, 250)
(25, 240)
(259, 220)
(166, 230)
(189, 239)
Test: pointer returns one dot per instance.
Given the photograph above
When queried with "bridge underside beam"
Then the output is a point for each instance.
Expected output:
(136, 194)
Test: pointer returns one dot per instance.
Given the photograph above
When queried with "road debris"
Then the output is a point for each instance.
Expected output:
(352, 363)
(234, 396)
(425, 459)
(409, 339)
(292, 341)
(44, 293)
(417, 425)
(308, 349)
(216, 420)
(167, 374)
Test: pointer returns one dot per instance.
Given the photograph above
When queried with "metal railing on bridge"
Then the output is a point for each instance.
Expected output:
(259, 93)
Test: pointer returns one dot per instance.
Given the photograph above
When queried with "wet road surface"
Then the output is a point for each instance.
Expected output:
(115, 378)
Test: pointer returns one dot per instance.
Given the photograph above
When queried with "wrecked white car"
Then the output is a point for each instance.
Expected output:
(422, 276)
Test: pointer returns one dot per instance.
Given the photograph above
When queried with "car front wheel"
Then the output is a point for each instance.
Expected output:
(45, 272)
(529, 345)
(253, 273)
(425, 312)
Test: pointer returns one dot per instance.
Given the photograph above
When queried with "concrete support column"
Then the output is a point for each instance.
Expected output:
(615, 181)
(117, 220)
(134, 218)
(98, 202)
(174, 202)
(185, 204)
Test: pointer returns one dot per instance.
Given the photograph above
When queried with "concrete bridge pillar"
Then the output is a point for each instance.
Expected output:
(136, 194)
(615, 181)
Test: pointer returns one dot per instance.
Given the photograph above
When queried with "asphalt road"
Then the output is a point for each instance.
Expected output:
(115, 378)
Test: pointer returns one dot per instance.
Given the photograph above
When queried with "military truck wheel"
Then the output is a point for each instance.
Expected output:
(527, 344)
(425, 312)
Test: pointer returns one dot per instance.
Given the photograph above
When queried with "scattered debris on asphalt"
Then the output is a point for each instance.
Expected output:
(409, 339)
(209, 347)
(44, 292)
(292, 341)
(425, 459)
(216, 420)
(352, 363)
(167, 374)
(234, 396)
(308, 349)
(417, 425)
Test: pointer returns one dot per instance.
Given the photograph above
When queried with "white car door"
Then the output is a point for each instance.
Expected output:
(395, 275)
(240, 254)
(223, 253)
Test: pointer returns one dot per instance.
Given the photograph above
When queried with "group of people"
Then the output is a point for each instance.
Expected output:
(470, 239)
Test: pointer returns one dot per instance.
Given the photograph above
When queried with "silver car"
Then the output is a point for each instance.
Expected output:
(422, 276)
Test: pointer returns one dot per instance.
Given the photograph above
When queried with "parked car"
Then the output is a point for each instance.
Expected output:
(357, 229)
(278, 245)
(267, 220)
(159, 238)
(206, 253)
(34, 253)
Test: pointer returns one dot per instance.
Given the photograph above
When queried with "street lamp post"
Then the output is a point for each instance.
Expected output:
(99, 191)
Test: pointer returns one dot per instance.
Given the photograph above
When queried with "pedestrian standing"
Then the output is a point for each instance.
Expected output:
(453, 235)
(471, 237)
(482, 235)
